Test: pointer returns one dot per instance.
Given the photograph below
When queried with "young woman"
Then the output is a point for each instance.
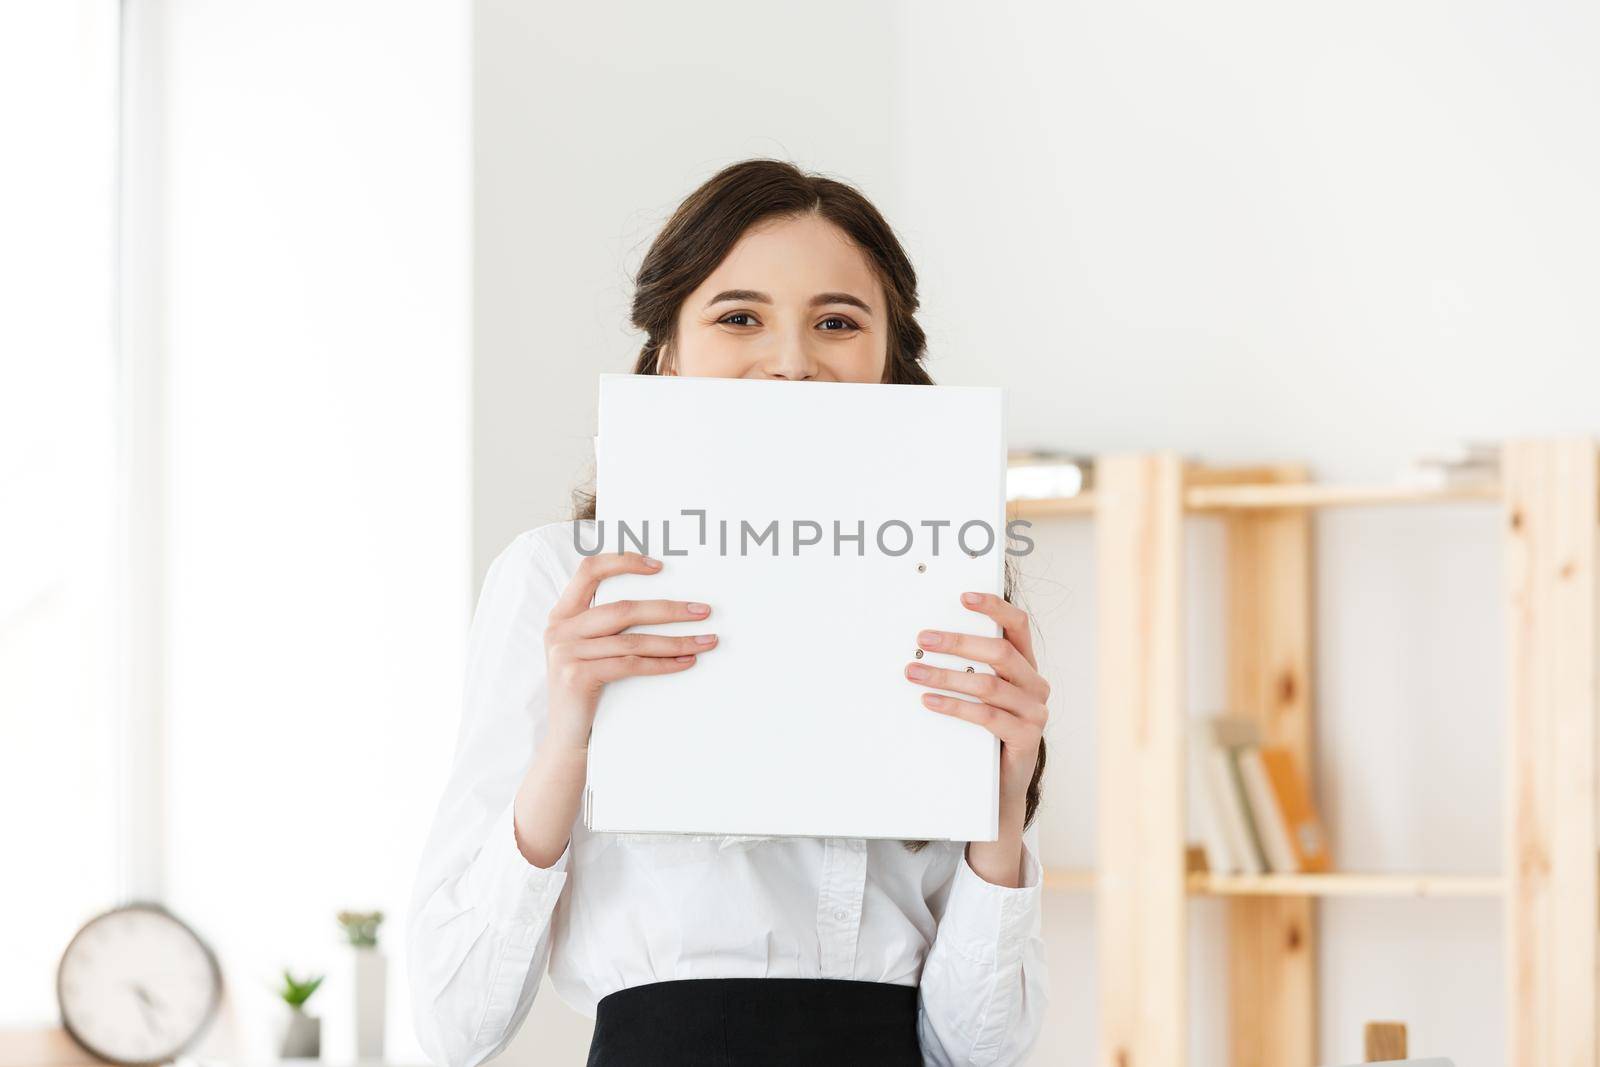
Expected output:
(705, 950)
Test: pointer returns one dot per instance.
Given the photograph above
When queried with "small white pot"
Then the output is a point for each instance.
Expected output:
(302, 1036)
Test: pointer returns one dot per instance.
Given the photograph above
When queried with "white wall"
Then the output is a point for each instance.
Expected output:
(1338, 232)
(316, 309)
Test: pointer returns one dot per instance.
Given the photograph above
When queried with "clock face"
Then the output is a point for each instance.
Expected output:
(137, 986)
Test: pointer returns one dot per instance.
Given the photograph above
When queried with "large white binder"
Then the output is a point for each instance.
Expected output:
(801, 721)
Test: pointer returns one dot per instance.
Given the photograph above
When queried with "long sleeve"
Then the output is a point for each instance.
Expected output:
(480, 923)
(984, 981)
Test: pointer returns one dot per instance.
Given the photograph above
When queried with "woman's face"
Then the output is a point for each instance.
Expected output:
(794, 299)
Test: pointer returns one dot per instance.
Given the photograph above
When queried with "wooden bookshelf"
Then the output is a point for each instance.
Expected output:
(1549, 504)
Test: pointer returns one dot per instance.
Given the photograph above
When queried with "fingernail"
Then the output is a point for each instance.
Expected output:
(928, 639)
(685, 659)
(916, 672)
(971, 598)
(705, 639)
(652, 562)
(935, 702)
(698, 609)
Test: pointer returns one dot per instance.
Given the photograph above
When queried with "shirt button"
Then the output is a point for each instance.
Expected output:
(840, 913)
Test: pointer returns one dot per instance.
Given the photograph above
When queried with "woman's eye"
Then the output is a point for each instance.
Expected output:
(739, 318)
(837, 322)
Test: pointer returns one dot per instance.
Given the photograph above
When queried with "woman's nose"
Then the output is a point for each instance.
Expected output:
(792, 361)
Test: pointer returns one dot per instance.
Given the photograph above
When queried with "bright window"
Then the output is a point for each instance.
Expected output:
(58, 666)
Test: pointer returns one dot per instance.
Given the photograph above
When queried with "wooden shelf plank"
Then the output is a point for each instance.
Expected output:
(1067, 880)
(1050, 507)
(1346, 885)
(1272, 962)
(1140, 910)
(1257, 497)
(1552, 596)
(1341, 884)
(1309, 495)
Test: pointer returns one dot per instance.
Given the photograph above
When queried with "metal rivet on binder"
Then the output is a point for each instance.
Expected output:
(919, 653)
(921, 567)
(969, 670)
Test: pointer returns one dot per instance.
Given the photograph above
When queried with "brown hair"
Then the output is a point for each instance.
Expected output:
(704, 229)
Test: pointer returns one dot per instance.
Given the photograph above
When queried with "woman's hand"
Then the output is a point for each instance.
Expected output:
(585, 648)
(1014, 709)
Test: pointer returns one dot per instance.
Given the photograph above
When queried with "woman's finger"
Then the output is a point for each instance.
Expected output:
(609, 670)
(642, 645)
(1009, 728)
(988, 688)
(997, 652)
(607, 619)
(579, 594)
(1015, 625)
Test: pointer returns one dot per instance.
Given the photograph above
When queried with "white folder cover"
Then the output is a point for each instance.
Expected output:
(801, 721)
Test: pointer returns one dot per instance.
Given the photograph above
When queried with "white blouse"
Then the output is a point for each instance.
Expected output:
(616, 911)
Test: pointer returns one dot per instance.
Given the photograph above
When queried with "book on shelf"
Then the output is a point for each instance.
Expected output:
(1272, 828)
(1035, 474)
(1307, 839)
(1464, 452)
(1257, 815)
(1217, 837)
(1464, 465)
(1231, 845)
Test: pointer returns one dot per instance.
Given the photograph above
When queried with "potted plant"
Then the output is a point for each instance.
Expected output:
(361, 927)
(356, 1019)
(302, 1033)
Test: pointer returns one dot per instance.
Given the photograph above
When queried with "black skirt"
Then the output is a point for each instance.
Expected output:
(730, 1022)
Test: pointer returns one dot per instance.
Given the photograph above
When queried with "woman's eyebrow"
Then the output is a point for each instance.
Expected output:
(840, 298)
(750, 295)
